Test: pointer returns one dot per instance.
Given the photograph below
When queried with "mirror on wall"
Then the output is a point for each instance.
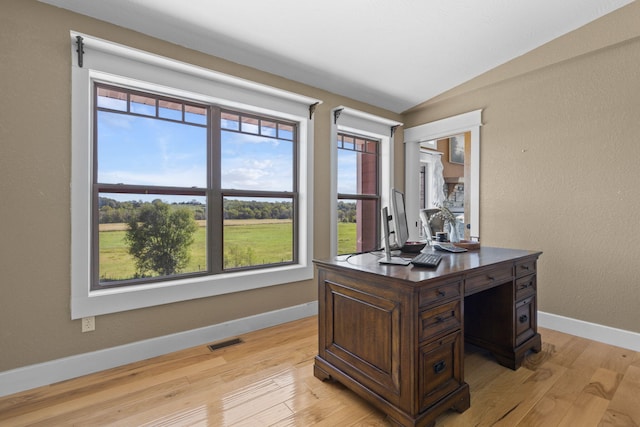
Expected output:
(455, 143)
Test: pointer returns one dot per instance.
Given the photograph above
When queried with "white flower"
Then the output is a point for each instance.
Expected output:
(445, 214)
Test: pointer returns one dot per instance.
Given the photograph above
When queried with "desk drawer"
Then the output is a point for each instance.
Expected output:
(525, 319)
(439, 320)
(488, 279)
(525, 286)
(526, 267)
(440, 369)
(437, 294)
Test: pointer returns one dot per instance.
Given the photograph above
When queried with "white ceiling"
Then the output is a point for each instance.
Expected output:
(394, 54)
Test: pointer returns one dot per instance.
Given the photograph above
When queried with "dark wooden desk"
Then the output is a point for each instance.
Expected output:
(395, 335)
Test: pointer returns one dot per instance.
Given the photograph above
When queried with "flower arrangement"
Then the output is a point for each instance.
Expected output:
(445, 214)
(450, 222)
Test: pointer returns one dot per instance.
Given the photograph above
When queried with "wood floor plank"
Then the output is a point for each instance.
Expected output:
(95, 386)
(556, 338)
(490, 405)
(268, 417)
(624, 409)
(506, 400)
(556, 403)
(568, 352)
(113, 391)
(349, 415)
(604, 383)
(617, 359)
(267, 380)
(480, 368)
(586, 411)
(198, 416)
(595, 355)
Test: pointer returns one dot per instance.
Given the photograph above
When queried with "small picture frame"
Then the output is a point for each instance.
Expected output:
(456, 149)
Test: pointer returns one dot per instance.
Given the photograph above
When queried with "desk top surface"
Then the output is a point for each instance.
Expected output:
(451, 264)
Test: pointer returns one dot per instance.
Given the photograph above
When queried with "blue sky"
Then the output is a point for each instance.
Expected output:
(148, 151)
(347, 171)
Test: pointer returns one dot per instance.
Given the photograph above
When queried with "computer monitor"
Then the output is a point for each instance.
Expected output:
(400, 227)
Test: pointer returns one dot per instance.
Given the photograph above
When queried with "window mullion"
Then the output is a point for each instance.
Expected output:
(214, 202)
(147, 189)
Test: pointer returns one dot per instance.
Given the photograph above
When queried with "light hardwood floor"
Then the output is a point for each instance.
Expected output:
(267, 380)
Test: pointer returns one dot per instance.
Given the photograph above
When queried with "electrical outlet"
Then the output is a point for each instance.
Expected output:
(88, 324)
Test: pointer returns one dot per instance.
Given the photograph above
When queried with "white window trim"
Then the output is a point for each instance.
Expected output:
(362, 123)
(111, 62)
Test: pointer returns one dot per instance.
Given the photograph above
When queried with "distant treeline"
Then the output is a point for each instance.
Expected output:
(346, 211)
(113, 211)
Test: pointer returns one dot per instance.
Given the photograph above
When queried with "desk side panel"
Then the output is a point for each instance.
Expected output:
(363, 331)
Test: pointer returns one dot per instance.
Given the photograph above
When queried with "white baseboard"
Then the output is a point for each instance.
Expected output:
(41, 374)
(593, 331)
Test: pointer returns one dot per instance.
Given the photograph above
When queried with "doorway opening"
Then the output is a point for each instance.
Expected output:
(425, 137)
(442, 179)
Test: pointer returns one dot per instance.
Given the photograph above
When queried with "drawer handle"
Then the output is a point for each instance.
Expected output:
(524, 318)
(441, 293)
(439, 367)
(525, 267)
(439, 319)
(526, 285)
(491, 278)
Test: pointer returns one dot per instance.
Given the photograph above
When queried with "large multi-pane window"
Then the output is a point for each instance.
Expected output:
(358, 193)
(185, 182)
(184, 188)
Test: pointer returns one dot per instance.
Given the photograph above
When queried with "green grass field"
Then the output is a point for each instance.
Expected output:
(346, 237)
(249, 242)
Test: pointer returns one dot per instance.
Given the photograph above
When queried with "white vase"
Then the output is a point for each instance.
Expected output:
(453, 233)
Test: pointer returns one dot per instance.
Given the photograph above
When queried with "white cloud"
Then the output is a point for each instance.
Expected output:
(172, 178)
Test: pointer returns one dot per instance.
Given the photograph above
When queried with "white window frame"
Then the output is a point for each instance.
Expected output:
(109, 62)
(350, 120)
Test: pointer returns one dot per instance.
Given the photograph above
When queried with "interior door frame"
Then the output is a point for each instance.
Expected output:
(421, 134)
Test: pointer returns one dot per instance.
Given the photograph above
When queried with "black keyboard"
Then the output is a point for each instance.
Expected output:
(426, 260)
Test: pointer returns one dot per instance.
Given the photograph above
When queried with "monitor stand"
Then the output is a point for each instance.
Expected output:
(388, 259)
(394, 260)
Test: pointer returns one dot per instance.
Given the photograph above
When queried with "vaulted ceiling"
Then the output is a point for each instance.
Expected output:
(394, 54)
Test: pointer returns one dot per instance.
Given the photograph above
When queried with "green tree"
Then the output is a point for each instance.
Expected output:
(159, 238)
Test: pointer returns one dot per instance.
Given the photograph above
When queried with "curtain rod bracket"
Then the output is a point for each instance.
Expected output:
(80, 50)
(336, 114)
(312, 109)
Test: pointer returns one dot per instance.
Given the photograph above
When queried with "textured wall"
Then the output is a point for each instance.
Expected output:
(560, 160)
(35, 160)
